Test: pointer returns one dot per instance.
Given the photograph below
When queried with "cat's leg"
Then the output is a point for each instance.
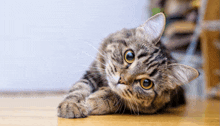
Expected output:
(73, 106)
(104, 101)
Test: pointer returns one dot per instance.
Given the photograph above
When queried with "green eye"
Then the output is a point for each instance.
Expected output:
(129, 56)
(146, 84)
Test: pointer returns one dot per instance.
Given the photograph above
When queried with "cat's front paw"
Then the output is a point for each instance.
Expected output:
(71, 109)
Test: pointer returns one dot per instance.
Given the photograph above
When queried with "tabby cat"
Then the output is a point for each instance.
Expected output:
(132, 71)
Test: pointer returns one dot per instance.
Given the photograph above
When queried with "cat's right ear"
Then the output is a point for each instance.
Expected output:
(152, 29)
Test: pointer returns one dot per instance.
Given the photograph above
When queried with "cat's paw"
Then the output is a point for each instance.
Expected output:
(71, 109)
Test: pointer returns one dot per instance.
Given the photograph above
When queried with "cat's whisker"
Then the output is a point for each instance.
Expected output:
(93, 58)
(117, 109)
(109, 73)
(85, 71)
(105, 57)
(132, 107)
(101, 69)
(124, 108)
(119, 101)
(98, 50)
(87, 66)
(135, 103)
(120, 106)
(132, 103)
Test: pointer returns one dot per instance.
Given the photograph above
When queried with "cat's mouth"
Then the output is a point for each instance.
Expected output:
(119, 86)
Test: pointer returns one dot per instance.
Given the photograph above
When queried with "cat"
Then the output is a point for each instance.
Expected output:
(132, 71)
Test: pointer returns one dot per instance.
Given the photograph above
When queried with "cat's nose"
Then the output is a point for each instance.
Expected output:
(121, 81)
(125, 79)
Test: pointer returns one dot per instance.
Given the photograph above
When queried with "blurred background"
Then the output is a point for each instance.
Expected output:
(41, 42)
(45, 44)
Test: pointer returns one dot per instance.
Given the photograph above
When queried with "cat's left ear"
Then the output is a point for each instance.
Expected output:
(152, 29)
(181, 74)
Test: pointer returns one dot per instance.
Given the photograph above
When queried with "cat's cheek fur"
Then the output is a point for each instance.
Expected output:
(111, 83)
(112, 78)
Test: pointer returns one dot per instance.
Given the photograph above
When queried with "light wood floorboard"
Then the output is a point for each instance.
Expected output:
(41, 111)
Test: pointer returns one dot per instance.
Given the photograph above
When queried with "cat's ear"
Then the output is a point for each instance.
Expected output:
(152, 29)
(180, 74)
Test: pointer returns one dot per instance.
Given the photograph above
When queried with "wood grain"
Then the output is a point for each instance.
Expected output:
(41, 111)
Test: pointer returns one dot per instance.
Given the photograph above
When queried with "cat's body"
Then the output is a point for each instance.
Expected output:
(132, 71)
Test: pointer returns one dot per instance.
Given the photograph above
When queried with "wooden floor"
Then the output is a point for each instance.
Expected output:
(41, 111)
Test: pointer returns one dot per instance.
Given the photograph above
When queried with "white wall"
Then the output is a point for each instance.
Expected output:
(41, 41)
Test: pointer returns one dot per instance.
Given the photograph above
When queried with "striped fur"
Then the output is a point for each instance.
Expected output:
(100, 91)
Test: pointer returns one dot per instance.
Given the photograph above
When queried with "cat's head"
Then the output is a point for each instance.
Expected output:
(138, 68)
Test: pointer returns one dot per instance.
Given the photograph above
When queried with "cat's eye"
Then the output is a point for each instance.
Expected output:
(129, 56)
(146, 83)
